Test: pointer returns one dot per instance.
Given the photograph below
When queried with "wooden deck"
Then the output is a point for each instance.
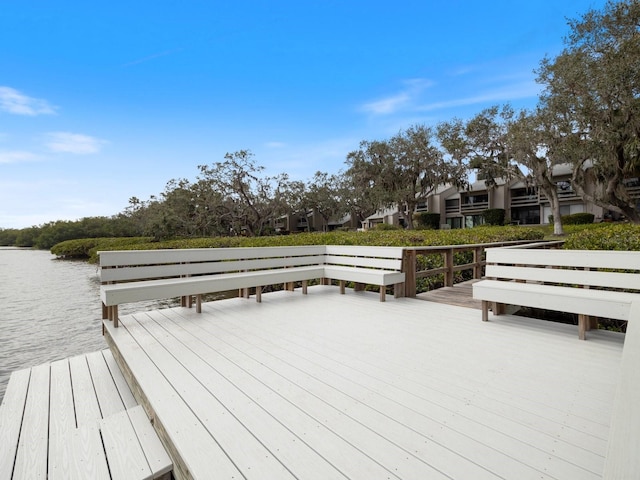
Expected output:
(460, 294)
(77, 419)
(325, 385)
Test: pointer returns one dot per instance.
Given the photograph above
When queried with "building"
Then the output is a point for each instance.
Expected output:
(523, 204)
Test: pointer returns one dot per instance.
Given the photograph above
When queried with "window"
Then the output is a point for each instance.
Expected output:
(454, 222)
(471, 221)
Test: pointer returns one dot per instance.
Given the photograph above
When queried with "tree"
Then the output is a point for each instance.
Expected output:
(503, 144)
(404, 170)
(323, 195)
(593, 96)
(251, 201)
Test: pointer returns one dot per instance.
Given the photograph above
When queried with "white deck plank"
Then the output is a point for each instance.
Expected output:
(104, 385)
(381, 399)
(250, 456)
(124, 452)
(11, 415)
(396, 449)
(88, 459)
(156, 455)
(84, 394)
(121, 384)
(31, 458)
(62, 420)
(199, 451)
(418, 384)
(304, 443)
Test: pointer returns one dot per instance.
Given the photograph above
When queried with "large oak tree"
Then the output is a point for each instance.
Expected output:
(404, 170)
(593, 96)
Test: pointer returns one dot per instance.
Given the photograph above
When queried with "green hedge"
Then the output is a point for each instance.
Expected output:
(86, 247)
(605, 236)
(398, 238)
(578, 219)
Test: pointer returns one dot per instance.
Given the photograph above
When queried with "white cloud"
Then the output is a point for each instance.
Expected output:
(13, 101)
(17, 156)
(404, 98)
(275, 144)
(67, 142)
(505, 94)
(386, 105)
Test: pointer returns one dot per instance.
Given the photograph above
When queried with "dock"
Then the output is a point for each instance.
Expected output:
(323, 386)
(76, 418)
(342, 386)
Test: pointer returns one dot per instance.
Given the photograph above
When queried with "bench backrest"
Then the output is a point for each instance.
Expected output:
(379, 258)
(591, 268)
(130, 265)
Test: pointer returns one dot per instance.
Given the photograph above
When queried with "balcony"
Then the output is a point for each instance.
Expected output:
(525, 200)
(474, 207)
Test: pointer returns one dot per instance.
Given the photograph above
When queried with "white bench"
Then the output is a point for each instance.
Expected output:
(138, 275)
(584, 282)
(622, 460)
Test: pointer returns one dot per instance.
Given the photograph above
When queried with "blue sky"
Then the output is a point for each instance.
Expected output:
(103, 101)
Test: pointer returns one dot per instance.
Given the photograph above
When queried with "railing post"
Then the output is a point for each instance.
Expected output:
(477, 262)
(448, 265)
(409, 269)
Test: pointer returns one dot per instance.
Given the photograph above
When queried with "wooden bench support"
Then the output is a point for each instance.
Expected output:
(259, 294)
(582, 326)
(199, 303)
(383, 293)
(342, 286)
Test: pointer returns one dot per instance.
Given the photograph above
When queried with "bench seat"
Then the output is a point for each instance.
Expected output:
(363, 275)
(177, 287)
(601, 303)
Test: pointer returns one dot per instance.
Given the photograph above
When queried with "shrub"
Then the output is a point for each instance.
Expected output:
(606, 236)
(493, 216)
(386, 226)
(427, 220)
(582, 218)
(578, 219)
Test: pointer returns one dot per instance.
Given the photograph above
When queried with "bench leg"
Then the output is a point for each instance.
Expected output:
(358, 287)
(342, 285)
(582, 326)
(114, 315)
(485, 311)
(198, 303)
(383, 293)
(105, 312)
(305, 284)
(189, 301)
(259, 294)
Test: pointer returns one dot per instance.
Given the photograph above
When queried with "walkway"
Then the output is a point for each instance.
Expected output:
(460, 294)
(344, 386)
(77, 419)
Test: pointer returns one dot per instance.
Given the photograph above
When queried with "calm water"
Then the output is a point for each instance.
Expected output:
(49, 309)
